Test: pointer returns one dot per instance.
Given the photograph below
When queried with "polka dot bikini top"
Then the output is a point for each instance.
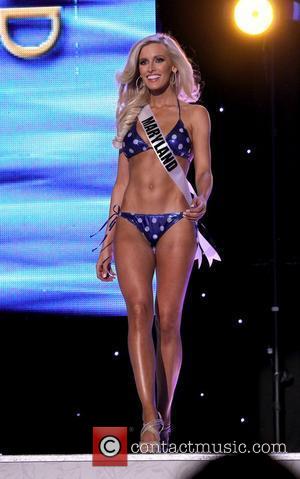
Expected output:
(178, 139)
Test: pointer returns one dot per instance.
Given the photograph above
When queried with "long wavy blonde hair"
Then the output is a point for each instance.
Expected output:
(132, 99)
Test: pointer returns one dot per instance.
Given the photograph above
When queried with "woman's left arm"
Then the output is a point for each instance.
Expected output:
(201, 128)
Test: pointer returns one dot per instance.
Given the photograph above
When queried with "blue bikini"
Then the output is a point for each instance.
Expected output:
(154, 226)
(178, 139)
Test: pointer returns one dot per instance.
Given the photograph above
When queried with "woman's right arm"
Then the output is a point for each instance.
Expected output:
(106, 253)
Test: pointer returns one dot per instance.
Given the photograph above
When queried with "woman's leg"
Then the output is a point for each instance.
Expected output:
(135, 263)
(175, 252)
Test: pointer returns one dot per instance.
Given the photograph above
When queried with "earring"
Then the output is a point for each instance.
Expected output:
(173, 78)
(138, 84)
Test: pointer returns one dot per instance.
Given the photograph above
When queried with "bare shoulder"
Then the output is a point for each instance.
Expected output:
(200, 114)
(197, 114)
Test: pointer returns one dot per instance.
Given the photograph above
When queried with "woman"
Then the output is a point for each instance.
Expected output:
(154, 227)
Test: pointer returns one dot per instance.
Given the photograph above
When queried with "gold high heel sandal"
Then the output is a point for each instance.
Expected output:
(155, 426)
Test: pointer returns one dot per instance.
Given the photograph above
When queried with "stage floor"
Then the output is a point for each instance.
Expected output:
(144, 466)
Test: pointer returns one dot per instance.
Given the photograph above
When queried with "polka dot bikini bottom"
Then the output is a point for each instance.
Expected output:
(153, 226)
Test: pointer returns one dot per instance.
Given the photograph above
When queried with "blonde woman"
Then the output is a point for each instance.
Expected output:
(154, 226)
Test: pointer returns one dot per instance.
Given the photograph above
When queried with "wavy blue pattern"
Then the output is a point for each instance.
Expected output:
(57, 164)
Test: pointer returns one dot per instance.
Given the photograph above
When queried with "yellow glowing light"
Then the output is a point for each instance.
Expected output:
(253, 16)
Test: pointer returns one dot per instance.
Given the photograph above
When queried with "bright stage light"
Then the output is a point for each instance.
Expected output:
(253, 16)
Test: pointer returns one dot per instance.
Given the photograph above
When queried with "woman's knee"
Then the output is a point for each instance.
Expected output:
(140, 314)
(168, 322)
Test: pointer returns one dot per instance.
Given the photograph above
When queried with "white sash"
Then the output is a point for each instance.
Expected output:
(172, 167)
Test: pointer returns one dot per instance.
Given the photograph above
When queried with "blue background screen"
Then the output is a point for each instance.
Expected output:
(58, 165)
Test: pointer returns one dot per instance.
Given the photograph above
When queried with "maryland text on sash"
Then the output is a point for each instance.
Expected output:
(159, 144)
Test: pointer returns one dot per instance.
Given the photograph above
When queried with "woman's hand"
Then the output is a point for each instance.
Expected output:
(103, 266)
(196, 210)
